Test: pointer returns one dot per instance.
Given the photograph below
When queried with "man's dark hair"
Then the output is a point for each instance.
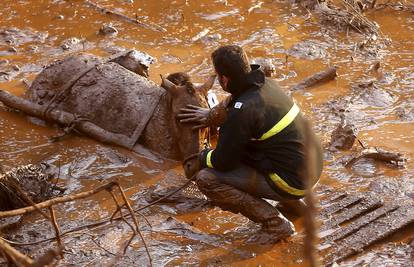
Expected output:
(231, 61)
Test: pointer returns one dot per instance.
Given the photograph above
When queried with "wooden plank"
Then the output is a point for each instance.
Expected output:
(338, 206)
(379, 229)
(359, 223)
(367, 204)
(333, 197)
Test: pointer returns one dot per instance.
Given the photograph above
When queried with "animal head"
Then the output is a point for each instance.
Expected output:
(136, 61)
(180, 93)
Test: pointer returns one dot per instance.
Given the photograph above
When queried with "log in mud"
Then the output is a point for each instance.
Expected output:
(318, 78)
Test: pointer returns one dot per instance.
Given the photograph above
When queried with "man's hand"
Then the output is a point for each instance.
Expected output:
(193, 114)
(191, 166)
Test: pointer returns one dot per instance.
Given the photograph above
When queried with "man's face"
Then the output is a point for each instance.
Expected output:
(223, 80)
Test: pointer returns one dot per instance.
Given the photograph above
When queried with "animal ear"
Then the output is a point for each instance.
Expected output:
(170, 86)
(207, 85)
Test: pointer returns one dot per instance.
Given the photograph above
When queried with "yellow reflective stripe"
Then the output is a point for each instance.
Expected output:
(285, 187)
(283, 123)
(208, 159)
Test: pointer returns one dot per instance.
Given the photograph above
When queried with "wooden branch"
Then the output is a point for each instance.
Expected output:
(49, 204)
(152, 26)
(57, 200)
(99, 223)
(395, 159)
(318, 78)
(134, 218)
(55, 226)
(13, 253)
(63, 118)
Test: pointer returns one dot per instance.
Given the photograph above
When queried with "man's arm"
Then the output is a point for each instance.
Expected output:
(233, 138)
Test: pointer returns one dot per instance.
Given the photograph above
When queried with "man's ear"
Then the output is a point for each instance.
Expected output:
(225, 81)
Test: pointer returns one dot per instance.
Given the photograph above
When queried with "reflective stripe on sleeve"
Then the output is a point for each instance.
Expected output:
(208, 159)
(282, 124)
(281, 184)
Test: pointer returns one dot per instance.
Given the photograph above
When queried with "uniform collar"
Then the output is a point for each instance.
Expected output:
(253, 80)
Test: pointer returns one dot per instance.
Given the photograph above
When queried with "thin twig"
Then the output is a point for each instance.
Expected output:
(56, 227)
(169, 195)
(102, 222)
(27, 199)
(134, 218)
(101, 247)
(58, 200)
(152, 26)
(119, 208)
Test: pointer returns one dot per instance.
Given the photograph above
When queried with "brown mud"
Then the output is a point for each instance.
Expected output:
(377, 101)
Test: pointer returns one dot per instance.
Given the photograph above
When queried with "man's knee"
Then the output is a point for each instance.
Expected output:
(206, 179)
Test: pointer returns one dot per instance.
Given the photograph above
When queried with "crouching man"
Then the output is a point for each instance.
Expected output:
(260, 151)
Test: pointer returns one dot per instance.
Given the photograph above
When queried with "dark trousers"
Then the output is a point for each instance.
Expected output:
(247, 179)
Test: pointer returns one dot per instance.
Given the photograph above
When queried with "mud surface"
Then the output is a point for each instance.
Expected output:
(377, 101)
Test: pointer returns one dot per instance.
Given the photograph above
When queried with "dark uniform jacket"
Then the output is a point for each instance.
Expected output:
(257, 105)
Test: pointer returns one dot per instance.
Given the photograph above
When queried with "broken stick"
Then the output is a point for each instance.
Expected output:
(53, 201)
(153, 27)
(318, 78)
(49, 204)
(377, 154)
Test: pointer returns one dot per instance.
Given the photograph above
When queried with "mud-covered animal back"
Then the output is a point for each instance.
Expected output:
(52, 79)
(107, 94)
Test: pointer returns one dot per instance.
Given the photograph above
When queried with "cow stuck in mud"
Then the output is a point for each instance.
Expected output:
(113, 101)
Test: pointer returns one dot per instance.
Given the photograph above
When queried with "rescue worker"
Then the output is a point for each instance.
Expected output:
(260, 151)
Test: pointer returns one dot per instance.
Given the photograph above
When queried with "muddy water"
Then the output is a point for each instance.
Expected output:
(266, 29)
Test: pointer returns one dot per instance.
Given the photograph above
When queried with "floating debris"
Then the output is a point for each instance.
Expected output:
(108, 29)
(395, 159)
(318, 78)
(70, 43)
(200, 35)
(28, 181)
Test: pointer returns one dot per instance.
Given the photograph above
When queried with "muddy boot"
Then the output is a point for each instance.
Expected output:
(274, 225)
